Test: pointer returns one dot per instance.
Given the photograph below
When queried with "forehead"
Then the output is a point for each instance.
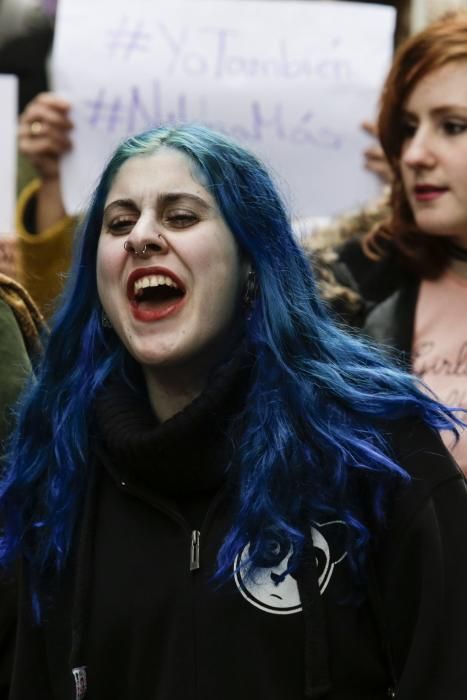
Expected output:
(442, 87)
(166, 171)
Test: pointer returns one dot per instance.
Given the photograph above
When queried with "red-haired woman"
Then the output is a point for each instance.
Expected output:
(417, 284)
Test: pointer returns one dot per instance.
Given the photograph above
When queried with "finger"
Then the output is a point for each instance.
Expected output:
(374, 152)
(46, 130)
(49, 100)
(375, 166)
(370, 127)
(375, 157)
(382, 170)
(47, 107)
(46, 115)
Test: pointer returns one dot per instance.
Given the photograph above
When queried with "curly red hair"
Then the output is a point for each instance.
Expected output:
(442, 42)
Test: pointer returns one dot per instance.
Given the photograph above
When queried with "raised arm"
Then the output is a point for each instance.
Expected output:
(43, 138)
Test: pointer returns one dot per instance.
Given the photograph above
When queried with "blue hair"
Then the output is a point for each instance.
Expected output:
(312, 429)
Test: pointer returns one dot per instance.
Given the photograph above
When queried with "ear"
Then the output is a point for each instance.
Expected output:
(335, 533)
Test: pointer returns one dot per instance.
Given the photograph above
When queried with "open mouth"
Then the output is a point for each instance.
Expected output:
(154, 293)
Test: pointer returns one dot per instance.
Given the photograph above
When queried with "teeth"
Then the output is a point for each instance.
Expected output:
(153, 281)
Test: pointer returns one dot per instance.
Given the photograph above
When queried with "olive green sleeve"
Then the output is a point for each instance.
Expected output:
(45, 257)
(15, 367)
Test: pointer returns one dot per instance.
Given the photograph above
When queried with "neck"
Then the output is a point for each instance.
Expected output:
(458, 257)
(172, 391)
(459, 267)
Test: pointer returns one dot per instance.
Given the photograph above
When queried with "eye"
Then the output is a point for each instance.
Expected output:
(275, 549)
(121, 224)
(180, 218)
(453, 127)
(408, 129)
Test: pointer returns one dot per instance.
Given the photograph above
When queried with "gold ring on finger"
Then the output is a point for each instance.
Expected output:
(36, 127)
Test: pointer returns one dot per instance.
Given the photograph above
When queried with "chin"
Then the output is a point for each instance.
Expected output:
(150, 358)
(439, 227)
(150, 354)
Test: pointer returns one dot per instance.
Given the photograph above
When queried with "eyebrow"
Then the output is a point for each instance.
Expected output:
(171, 197)
(439, 111)
(162, 199)
(121, 203)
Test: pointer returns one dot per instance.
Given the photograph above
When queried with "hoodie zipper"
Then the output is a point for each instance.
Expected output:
(195, 539)
(194, 550)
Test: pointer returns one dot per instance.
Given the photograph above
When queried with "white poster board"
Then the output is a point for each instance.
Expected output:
(291, 80)
(8, 123)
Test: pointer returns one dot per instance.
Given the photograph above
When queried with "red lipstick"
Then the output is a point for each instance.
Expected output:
(428, 193)
(154, 309)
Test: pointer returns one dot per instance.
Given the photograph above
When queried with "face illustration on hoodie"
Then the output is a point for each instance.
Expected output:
(270, 583)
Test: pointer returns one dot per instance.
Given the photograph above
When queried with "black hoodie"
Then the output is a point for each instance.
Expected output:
(137, 614)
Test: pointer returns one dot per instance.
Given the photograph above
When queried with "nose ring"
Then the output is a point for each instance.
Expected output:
(129, 247)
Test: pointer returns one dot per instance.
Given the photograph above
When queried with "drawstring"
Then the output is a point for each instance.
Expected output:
(317, 675)
(81, 595)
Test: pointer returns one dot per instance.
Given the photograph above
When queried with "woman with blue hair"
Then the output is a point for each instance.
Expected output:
(213, 491)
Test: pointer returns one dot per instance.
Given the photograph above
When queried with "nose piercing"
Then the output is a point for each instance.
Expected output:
(129, 247)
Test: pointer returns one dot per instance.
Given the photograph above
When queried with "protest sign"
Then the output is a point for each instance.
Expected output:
(8, 121)
(290, 80)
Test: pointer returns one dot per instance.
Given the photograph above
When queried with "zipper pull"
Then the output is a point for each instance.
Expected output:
(194, 550)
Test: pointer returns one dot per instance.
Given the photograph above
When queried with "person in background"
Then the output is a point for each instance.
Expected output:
(21, 329)
(412, 266)
(212, 490)
(21, 336)
(45, 231)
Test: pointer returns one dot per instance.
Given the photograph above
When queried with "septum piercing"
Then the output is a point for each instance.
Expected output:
(129, 247)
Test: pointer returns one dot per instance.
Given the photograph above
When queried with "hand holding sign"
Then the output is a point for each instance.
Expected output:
(43, 133)
(44, 137)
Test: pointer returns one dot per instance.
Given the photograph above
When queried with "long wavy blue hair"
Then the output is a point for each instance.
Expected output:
(312, 428)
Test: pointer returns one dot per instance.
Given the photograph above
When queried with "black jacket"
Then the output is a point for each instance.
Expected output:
(138, 616)
(388, 291)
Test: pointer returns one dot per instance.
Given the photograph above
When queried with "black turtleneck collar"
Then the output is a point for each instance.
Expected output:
(187, 454)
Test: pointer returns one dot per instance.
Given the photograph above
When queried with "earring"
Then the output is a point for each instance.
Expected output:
(105, 320)
(250, 293)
